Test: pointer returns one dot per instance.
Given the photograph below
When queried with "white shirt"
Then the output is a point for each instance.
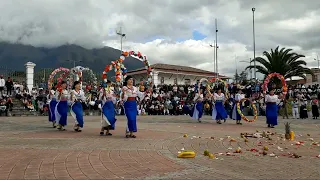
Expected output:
(175, 88)
(78, 95)
(198, 97)
(218, 97)
(51, 96)
(155, 95)
(271, 99)
(132, 93)
(2, 82)
(64, 95)
(238, 97)
(109, 95)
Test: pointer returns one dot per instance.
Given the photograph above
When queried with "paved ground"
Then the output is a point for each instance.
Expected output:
(30, 149)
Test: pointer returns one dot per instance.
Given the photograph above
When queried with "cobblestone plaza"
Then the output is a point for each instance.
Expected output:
(31, 149)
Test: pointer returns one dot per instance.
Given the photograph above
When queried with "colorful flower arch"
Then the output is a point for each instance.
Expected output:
(121, 71)
(279, 76)
(119, 68)
(64, 75)
(255, 112)
(146, 64)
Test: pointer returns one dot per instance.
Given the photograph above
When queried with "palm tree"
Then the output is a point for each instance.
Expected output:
(282, 61)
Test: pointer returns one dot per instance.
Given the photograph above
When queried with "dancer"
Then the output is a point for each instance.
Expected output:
(218, 111)
(77, 98)
(129, 95)
(235, 115)
(108, 120)
(52, 105)
(271, 109)
(62, 108)
(198, 106)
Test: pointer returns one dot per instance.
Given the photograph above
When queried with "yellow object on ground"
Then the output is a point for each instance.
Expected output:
(187, 154)
(211, 156)
(291, 135)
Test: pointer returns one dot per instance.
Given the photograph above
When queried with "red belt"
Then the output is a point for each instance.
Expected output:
(131, 99)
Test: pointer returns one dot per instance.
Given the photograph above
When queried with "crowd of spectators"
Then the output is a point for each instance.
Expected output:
(164, 100)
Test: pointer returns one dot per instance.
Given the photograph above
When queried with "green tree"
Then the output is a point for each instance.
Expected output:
(283, 61)
(17, 74)
(243, 80)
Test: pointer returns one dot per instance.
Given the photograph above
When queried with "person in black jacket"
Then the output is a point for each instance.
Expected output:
(9, 86)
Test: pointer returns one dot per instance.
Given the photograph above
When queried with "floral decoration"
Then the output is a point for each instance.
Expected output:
(283, 81)
(255, 112)
(146, 64)
(60, 79)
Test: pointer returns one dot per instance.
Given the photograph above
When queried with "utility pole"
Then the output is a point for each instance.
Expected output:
(216, 48)
(250, 70)
(214, 58)
(236, 75)
(254, 44)
(318, 61)
(121, 37)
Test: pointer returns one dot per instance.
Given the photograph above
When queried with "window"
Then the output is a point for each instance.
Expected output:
(162, 80)
(315, 78)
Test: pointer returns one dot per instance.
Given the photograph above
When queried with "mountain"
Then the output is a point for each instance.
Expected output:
(14, 56)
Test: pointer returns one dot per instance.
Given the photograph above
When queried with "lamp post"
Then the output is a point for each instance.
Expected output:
(216, 48)
(121, 37)
(318, 61)
(254, 44)
(236, 75)
(250, 70)
(214, 57)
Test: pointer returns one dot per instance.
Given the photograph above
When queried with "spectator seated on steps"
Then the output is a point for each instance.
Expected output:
(18, 93)
(3, 108)
(28, 104)
(9, 103)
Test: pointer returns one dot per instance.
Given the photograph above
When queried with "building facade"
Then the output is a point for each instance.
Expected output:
(173, 74)
(313, 79)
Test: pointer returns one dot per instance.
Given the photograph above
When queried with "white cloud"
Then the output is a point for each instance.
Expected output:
(153, 26)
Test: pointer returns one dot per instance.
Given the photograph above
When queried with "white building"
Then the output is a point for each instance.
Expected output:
(173, 74)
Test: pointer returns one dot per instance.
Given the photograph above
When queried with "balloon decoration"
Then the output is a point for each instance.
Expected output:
(255, 112)
(283, 81)
(61, 78)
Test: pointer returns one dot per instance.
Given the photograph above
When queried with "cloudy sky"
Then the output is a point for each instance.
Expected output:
(168, 31)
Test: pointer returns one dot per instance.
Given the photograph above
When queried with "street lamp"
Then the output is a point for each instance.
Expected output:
(254, 44)
(214, 57)
(318, 61)
(216, 48)
(250, 70)
(121, 37)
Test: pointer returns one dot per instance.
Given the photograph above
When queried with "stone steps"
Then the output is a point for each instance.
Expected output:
(20, 110)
